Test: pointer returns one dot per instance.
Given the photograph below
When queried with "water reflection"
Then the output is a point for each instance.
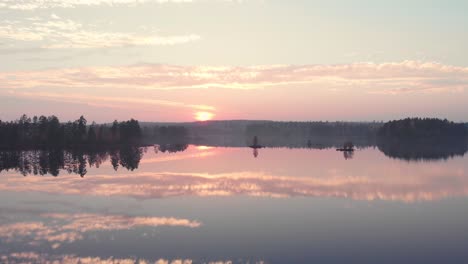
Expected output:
(56, 229)
(52, 161)
(35, 257)
(170, 148)
(44, 237)
(348, 155)
(298, 205)
(422, 150)
(204, 171)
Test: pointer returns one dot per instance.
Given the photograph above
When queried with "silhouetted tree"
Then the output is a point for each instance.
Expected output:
(348, 145)
(50, 133)
(92, 138)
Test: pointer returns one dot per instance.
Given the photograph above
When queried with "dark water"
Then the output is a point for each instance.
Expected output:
(231, 205)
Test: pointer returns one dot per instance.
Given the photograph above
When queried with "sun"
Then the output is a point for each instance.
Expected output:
(203, 116)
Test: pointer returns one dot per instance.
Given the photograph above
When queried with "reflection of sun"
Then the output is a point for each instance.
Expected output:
(203, 116)
(204, 148)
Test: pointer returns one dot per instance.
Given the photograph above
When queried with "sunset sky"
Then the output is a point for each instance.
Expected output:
(182, 60)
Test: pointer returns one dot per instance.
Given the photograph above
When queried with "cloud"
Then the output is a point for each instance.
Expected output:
(140, 88)
(386, 78)
(58, 33)
(45, 4)
(108, 101)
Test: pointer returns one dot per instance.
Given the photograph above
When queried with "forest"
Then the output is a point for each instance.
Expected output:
(314, 134)
(48, 131)
(166, 134)
(423, 129)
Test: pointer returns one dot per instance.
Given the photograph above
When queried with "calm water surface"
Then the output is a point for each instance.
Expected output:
(231, 205)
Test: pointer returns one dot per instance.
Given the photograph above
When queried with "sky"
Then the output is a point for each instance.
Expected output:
(185, 60)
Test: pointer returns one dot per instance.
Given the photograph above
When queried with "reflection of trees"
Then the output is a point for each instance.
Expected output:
(115, 157)
(422, 149)
(348, 154)
(130, 157)
(33, 162)
(171, 148)
(51, 161)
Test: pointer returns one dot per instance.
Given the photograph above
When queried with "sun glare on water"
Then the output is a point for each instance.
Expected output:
(203, 116)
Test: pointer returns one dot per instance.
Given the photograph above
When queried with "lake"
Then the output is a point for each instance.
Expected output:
(199, 204)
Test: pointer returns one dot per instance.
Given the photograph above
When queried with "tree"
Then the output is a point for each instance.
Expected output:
(81, 128)
(92, 139)
(49, 132)
(348, 145)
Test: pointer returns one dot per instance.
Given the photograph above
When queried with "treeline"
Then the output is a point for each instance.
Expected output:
(315, 134)
(311, 129)
(50, 132)
(423, 129)
(169, 134)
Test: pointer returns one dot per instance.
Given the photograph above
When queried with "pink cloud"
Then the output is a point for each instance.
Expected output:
(410, 75)
(299, 92)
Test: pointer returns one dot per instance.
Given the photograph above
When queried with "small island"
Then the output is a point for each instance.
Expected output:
(347, 146)
(255, 144)
(422, 139)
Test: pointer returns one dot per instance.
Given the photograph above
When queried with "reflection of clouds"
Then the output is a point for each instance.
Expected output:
(67, 228)
(33, 257)
(431, 183)
(178, 157)
(177, 261)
